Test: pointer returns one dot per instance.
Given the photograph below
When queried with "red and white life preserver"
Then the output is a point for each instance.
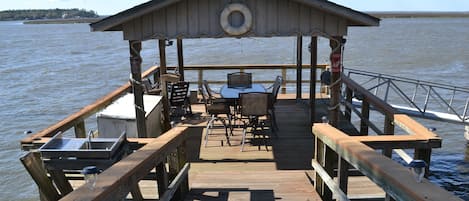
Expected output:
(230, 29)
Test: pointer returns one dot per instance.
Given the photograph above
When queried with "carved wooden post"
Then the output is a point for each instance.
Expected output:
(164, 89)
(336, 68)
(299, 58)
(136, 70)
(312, 79)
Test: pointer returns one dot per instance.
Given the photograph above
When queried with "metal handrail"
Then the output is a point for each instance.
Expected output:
(432, 91)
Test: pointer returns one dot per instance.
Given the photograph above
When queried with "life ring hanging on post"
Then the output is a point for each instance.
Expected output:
(230, 29)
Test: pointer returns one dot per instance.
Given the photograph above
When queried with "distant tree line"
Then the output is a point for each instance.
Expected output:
(36, 14)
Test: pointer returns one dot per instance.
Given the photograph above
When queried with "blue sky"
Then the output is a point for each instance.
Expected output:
(107, 7)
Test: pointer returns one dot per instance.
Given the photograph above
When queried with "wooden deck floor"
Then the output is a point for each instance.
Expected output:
(222, 172)
(225, 173)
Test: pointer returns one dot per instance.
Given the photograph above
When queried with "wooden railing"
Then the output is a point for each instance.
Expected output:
(122, 178)
(77, 120)
(329, 142)
(335, 147)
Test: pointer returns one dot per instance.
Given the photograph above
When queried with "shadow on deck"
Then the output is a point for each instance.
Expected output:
(222, 172)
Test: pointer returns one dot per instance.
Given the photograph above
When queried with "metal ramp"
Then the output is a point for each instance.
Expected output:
(417, 98)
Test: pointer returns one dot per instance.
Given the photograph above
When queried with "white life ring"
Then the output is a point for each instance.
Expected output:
(227, 27)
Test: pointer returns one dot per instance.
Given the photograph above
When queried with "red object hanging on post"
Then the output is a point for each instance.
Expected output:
(336, 62)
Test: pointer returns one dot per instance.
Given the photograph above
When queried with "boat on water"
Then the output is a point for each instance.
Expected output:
(298, 161)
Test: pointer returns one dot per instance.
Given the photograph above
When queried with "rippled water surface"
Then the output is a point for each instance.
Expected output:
(50, 71)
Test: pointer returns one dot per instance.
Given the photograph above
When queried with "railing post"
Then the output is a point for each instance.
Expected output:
(319, 184)
(343, 174)
(200, 77)
(327, 158)
(161, 178)
(348, 98)
(330, 162)
(388, 130)
(425, 155)
(284, 84)
(365, 117)
(177, 160)
(80, 130)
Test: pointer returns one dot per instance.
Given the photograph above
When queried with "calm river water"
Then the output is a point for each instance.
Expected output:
(48, 72)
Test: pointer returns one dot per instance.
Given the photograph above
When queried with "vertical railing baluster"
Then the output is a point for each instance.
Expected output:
(427, 97)
(451, 100)
(284, 76)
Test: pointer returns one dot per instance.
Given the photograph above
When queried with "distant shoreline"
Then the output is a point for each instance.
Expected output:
(416, 14)
(63, 21)
(379, 14)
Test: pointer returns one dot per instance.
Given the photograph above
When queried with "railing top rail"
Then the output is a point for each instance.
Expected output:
(246, 66)
(115, 182)
(408, 80)
(388, 174)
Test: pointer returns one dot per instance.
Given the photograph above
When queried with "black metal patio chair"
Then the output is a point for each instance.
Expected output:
(253, 106)
(215, 108)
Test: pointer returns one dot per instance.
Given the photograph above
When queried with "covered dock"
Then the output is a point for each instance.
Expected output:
(306, 160)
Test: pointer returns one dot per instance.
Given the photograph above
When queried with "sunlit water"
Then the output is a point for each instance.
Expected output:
(51, 71)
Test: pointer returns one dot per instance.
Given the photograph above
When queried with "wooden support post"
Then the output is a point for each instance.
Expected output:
(284, 84)
(61, 182)
(182, 159)
(136, 70)
(319, 157)
(343, 175)
(425, 155)
(136, 193)
(163, 70)
(299, 65)
(388, 130)
(80, 130)
(330, 162)
(33, 164)
(180, 59)
(365, 117)
(312, 79)
(336, 68)
(200, 78)
(348, 99)
(162, 178)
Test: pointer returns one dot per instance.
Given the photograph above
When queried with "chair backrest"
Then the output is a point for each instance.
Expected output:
(276, 88)
(178, 93)
(239, 80)
(207, 91)
(254, 104)
(206, 94)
